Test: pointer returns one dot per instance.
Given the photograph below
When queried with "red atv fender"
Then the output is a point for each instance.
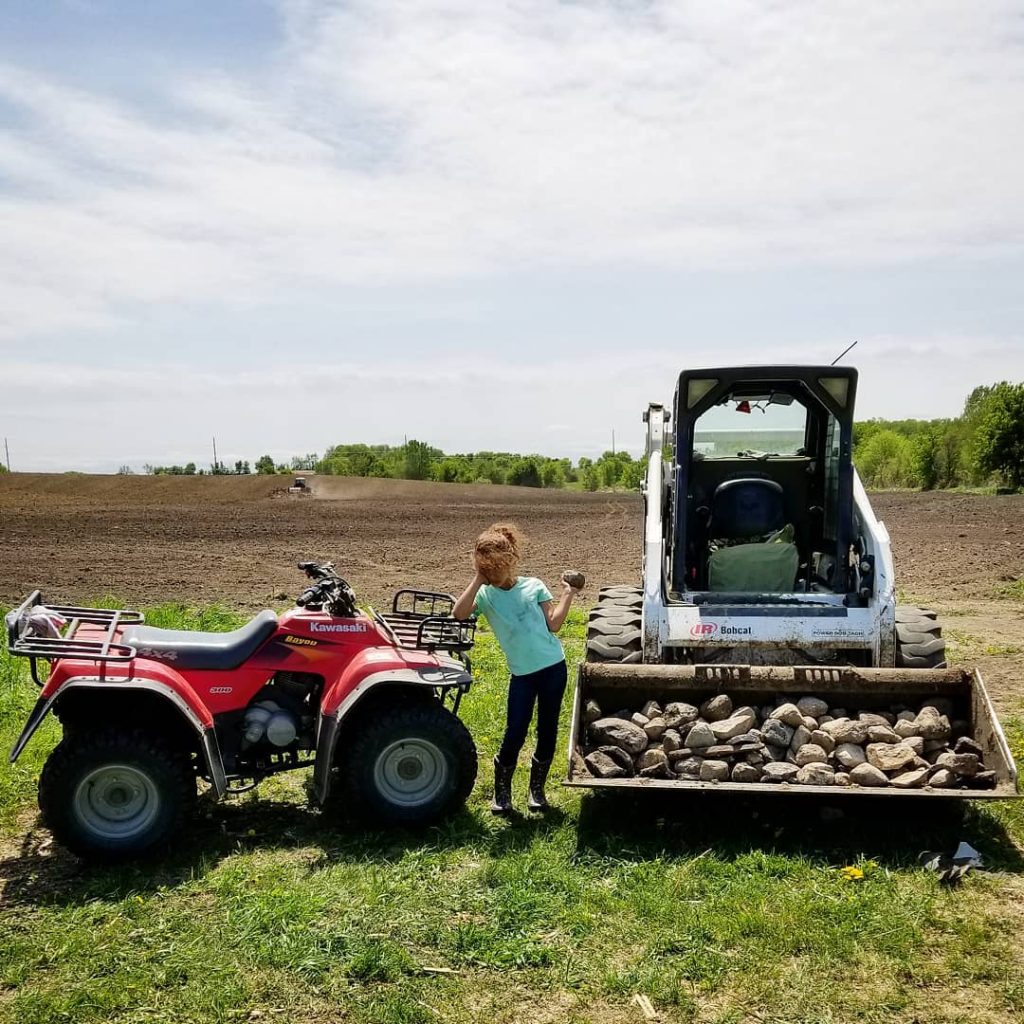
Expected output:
(71, 679)
(375, 669)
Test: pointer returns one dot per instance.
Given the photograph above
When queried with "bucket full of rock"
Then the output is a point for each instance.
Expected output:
(774, 729)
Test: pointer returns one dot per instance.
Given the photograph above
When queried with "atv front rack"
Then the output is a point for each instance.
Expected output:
(423, 619)
(23, 643)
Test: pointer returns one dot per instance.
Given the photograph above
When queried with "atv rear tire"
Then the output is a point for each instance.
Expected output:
(919, 641)
(614, 626)
(116, 794)
(412, 764)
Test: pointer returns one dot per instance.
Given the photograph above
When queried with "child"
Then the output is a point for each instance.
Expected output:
(525, 618)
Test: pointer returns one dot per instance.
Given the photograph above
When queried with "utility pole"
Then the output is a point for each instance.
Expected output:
(7, 452)
(216, 465)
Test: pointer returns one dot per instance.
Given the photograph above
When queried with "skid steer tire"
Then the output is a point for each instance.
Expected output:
(919, 641)
(614, 627)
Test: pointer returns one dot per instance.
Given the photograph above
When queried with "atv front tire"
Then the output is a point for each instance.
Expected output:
(116, 794)
(412, 764)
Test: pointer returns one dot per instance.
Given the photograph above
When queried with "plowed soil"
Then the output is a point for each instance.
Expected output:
(236, 540)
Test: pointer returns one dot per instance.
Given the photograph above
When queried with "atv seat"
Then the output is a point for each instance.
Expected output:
(185, 648)
(753, 549)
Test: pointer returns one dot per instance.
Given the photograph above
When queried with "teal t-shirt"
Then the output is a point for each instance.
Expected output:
(518, 622)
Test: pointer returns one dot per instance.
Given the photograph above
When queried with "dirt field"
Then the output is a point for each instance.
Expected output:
(150, 539)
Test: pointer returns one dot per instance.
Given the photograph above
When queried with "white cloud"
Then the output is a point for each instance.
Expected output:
(84, 416)
(421, 140)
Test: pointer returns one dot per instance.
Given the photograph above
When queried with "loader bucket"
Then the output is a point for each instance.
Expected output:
(617, 686)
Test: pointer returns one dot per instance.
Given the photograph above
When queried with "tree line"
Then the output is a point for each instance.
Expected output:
(982, 446)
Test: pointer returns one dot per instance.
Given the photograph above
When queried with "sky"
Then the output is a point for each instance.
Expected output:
(490, 225)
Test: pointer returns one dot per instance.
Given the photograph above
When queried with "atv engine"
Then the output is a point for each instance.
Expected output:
(283, 713)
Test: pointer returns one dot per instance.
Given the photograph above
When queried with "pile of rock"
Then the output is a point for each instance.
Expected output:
(804, 742)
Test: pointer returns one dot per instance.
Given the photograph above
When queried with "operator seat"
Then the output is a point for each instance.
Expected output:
(187, 648)
(750, 549)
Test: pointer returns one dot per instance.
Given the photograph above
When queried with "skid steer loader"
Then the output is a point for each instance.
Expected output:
(767, 578)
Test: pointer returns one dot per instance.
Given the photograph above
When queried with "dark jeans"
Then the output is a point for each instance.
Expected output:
(545, 689)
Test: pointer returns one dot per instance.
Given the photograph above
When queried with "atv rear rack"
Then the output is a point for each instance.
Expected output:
(23, 644)
(422, 619)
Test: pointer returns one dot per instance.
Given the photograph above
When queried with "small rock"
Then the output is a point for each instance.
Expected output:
(983, 780)
(906, 716)
(618, 733)
(911, 780)
(843, 730)
(823, 740)
(652, 762)
(720, 751)
(755, 757)
(801, 735)
(745, 773)
(849, 755)
(717, 708)
(959, 764)
(965, 745)
(943, 779)
(714, 771)
(932, 725)
(655, 728)
(677, 715)
(813, 706)
(904, 729)
(883, 734)
(810, 724)
(811, 753)
(774, 753)
(671, 740)
(652, 709)
(747, 737)
(843, 779)
(736, 725)
(788, 714)
(815, 775)
(916, 744)
(637, 719)
(700, 735)
(591, 713)
(780, 771)
(868, 775)
(776, 733)
(601, 766)
(890, 757)
(619, 756)
(823, 720)
(689, 768)
(869, 718)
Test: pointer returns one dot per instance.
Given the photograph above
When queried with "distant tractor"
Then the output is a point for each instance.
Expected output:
(299, 487)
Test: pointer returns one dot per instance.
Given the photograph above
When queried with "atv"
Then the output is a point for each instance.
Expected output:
(368, 700)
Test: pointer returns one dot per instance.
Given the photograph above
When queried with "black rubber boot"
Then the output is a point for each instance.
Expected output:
(502, 802)
(538, 776)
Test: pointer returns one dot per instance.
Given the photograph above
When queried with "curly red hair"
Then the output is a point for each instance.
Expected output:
(499, 548)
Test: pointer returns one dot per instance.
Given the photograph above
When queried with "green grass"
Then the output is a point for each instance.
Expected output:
(1013, 589)
(269, 911)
